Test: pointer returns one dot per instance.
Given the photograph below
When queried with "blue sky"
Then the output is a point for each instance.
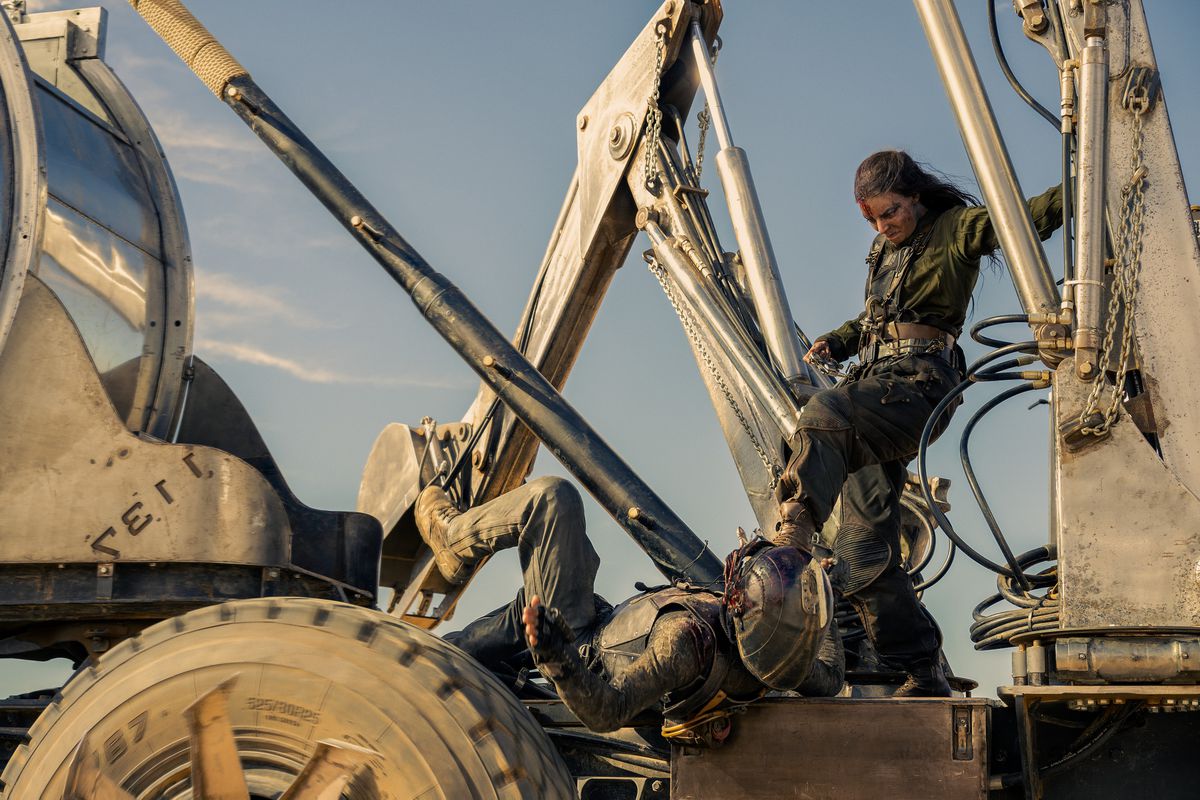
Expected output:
(457, 120)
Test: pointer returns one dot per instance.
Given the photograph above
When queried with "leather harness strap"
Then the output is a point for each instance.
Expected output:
(915, 330)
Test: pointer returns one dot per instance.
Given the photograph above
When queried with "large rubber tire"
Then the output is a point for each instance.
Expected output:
(306, 670)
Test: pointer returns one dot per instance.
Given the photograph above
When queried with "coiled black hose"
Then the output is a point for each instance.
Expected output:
(1033, 614)
(991, 322)
(927, 436)
(965, 457)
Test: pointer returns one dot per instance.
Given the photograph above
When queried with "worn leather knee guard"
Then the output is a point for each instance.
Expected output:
(865, 555)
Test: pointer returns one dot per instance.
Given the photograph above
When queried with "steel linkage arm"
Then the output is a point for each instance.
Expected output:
(594, 230)
(675, 550)
(1023, 252)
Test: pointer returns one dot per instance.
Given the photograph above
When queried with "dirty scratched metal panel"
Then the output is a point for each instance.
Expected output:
(1126, 529)
(838, 749)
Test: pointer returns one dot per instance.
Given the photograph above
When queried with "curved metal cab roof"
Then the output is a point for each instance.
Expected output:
(88, 204)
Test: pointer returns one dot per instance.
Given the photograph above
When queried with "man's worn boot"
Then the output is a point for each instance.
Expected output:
(926, 678)
(433, 514)
(796, 527)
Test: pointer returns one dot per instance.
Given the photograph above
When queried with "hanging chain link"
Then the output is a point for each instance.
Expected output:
(1128, 260)
(653, 112)
(692, 329)
(704, 118)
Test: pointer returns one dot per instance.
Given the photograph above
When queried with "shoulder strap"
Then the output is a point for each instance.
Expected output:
(873, 257)
(914, 253)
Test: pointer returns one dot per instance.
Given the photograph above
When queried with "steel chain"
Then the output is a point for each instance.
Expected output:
(704, 119)
(1128, 259)
(691, 328)
(653, 112)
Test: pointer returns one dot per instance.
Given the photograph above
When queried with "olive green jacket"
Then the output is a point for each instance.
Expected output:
(938, 286)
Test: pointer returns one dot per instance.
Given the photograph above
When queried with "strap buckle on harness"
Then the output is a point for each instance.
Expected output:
(879, 349)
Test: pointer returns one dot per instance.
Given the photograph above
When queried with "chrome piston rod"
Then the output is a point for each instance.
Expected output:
(1027, 263)
(752, 371)
(762, 270)
(1090, 223)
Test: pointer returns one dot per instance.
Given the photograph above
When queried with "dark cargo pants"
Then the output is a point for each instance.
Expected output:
(856, 440)
(544, 520)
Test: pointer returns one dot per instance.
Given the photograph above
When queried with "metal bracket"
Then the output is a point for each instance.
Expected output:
(104, 580)
(1141, 90)
(964, 745)
(1033, 16)
(271, 582)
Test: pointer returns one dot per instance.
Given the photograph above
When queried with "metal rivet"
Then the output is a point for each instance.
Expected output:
(488, 361)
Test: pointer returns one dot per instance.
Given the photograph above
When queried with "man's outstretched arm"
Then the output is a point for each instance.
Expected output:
(672, 659)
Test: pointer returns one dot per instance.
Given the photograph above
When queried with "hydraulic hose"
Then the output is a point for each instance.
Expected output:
(486, 420)
(1068, 151)
(942, 570)
(1016, 347)
(923, 449)
(929, 530)
(1042, 111)
(1001, 319)
(965, 456)
(1033, 613)
(923, 473)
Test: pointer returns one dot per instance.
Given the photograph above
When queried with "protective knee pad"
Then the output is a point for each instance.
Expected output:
(865, 555)
(828, 410)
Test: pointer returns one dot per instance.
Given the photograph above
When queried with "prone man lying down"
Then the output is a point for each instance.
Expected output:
(689, 650)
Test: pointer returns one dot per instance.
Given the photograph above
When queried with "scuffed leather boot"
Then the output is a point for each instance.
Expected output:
(926, 678)
(433, 514)
(796, 527)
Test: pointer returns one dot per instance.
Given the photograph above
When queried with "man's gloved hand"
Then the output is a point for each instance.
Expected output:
(796, 527)
(549, 637)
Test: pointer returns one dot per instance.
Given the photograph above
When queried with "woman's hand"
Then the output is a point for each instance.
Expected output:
(819, 351)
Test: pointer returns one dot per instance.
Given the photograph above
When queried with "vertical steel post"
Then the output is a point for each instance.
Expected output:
(762, 270)
(1090, 223)
(1010, 215)
(750, 369)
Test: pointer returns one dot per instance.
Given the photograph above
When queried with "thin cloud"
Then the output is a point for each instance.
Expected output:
(206, 153)
(250, 303)
(248, 354)
(261, 242)
(208, 147)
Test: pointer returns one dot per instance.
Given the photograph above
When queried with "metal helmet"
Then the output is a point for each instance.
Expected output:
(779, 602)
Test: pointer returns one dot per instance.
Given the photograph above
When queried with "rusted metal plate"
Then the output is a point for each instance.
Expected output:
(1111, 494)
(844, 749)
